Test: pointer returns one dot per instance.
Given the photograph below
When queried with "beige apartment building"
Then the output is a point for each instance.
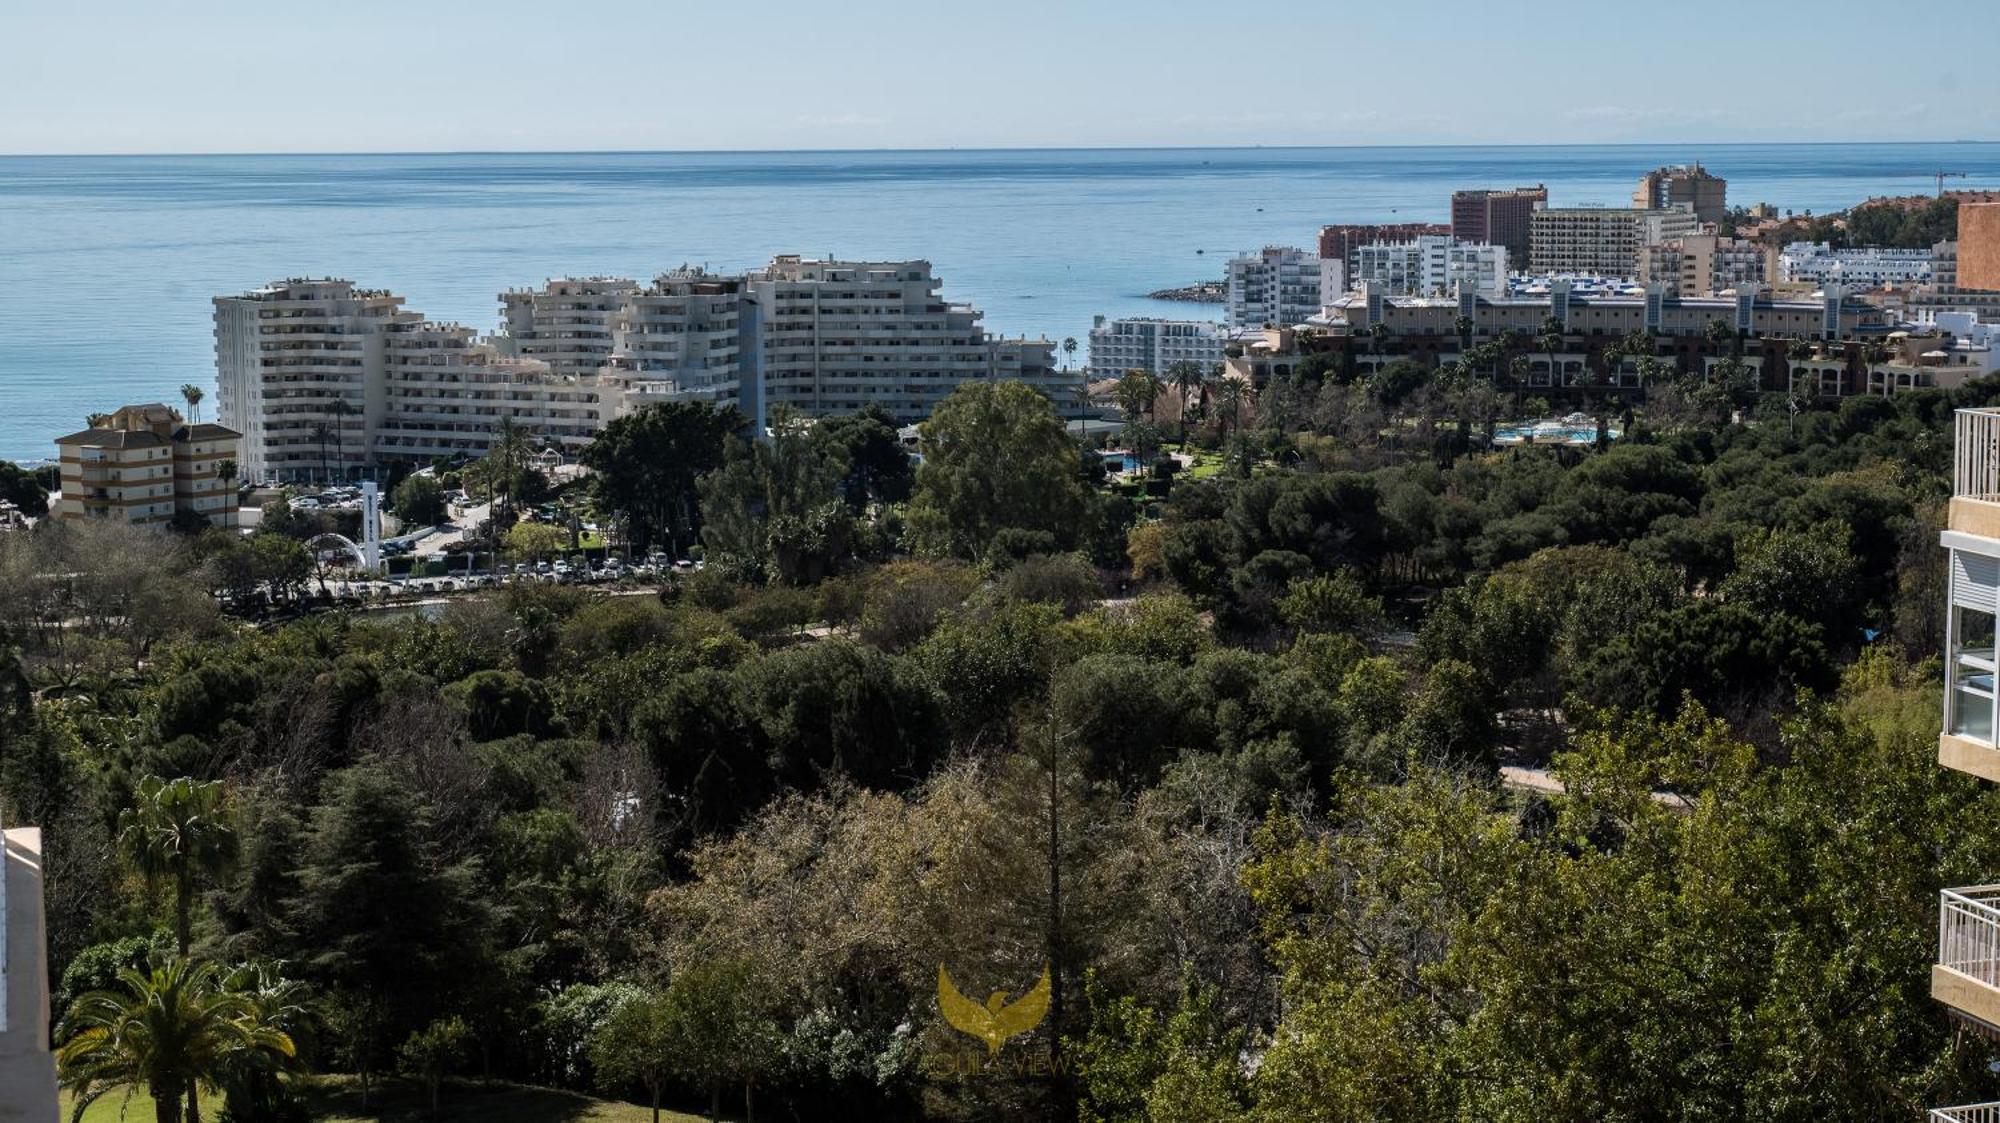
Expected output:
(1605, 241)
(1704, 264)
(1688, 184)
(143, 464)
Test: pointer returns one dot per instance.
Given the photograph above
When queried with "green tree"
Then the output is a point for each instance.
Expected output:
(419, 501)
(178, 831)
(647, 463)
(429, 1053)
(636, 1045)
(390, 929)
(174, 1028)
(720, 1019)
(774, 507)
(995, 457)
(192, 395)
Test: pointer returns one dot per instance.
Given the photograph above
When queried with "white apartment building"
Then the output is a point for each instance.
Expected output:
(682, 336)
(1601, 240)
(1280, 286)
(446, 391)
(299, 361)
(830, 337)
(324, 379)
(1819, 263)
(567, 323)
(1117, 346)
(1432, 265)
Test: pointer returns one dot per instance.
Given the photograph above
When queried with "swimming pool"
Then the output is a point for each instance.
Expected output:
(1576, 429)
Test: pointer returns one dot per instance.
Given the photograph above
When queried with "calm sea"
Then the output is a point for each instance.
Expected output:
(107, 264)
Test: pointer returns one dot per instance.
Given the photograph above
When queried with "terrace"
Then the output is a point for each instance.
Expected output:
(1966, 976)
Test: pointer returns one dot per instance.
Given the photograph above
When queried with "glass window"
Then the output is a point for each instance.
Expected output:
(1972, 671)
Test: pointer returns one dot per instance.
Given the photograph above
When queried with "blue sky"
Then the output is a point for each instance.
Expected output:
(446, 75)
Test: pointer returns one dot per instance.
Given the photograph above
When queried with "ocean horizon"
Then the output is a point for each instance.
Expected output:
(108, 263)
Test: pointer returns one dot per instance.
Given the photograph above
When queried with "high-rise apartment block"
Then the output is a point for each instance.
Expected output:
(1280, 286)
(1117, 346)
(1601, 240)
(143, 464)
(325, 380)
(834, 336)
(1338, 243)
(1688, 184)
(298, 368)
(1432, 266)
(1500, 218)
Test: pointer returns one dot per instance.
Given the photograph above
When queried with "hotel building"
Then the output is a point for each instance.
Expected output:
(1602, 240)
(445, 391)
(1117, 346)
(143, 464)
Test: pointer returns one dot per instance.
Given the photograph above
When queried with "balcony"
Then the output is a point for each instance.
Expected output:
(1972, 1113)
(1966, 976)
(1975, 493)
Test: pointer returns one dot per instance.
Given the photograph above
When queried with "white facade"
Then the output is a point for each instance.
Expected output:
(1432, 265)
(567, 323)
(830, 337)
(284, 354)
(1117, 346)
(1280, 286)
(1819, 263)
(821, 337)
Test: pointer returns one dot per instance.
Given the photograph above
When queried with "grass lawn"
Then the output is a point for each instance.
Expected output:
(337, 1099)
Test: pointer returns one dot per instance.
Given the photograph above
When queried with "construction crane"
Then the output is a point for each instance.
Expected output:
(1941, 176)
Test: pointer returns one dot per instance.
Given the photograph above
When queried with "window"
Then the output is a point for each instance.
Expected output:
(1975, 589)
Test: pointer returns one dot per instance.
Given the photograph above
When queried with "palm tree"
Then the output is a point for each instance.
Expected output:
(339, 409)
(321, 434)
(1069, 350)
(192, 395)
(225, 470)
(1185, 376)
(175, 1028)
(1229, 393)
(178, 830)
(1463, 325)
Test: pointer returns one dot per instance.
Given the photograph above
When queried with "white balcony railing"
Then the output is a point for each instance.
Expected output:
(1976, 473)
(1972, 1113)
(1969, 933)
